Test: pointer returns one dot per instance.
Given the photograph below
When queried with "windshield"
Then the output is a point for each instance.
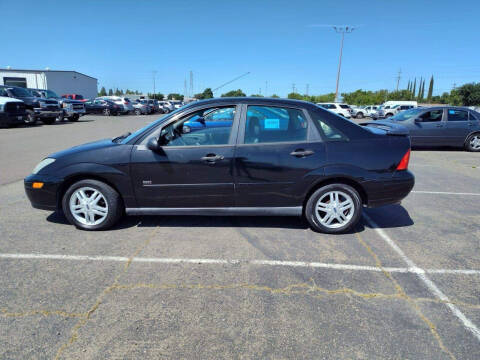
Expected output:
(51, 94)
(20, 92)
(406, 115)
(151, 125)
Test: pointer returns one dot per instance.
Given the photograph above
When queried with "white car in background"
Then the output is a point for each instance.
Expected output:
(123, 101)
(338, 108)
(364, 111)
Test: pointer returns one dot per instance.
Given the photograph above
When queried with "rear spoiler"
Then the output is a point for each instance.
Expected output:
(389, 127)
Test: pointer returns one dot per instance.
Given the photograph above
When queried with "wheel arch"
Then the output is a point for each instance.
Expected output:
(337, 180)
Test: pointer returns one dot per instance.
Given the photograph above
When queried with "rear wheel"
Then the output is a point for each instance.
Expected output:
(106, 112)
(333, 209)
(138, 112)
(92, 205)
(49, 121)
(388, 115)
(473, 142)
(74, 117)
(359, 115)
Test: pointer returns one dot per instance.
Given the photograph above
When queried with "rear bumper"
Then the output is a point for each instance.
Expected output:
(45, 198)
(390, 191)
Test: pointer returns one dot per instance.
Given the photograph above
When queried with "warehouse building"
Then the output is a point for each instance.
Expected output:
(60, 81)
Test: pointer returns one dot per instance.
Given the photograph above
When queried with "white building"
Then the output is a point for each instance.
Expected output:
(62, 82)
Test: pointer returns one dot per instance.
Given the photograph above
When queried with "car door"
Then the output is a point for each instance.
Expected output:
(427, 129)
(191, 169)
(278, 146)
(457, 127)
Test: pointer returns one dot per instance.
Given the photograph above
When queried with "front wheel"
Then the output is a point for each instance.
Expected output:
(106, 112)
(74, 117)
(473, 143)
(359, 115)
(138, 112)
(333, 209)
(30, 119)
(92, 205)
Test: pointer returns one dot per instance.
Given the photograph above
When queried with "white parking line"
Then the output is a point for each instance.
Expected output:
(428, 283)
(305, 264)
(444, 193)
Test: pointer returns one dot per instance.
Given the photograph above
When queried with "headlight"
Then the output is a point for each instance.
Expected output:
(42, 164)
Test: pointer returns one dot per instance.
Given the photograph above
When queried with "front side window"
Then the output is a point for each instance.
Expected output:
(432, 116)
(202, 128)
(267, 124)
(473, 116)
(457, 115)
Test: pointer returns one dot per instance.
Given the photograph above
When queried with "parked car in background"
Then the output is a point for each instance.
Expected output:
(176, 103)
(155, 106)
(140, 108)
(103, 106)
(338, 108)
(439, 126)
(74, 97)
(277, 157)
(363, 111)
(389, 110)
(120, 100)
(167, 107)
(71, 109)
(12, 112)
(46, 110)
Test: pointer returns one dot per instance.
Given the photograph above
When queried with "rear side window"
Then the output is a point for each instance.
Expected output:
(473, 116)
(457, 115)
(267, 124)
(328, 131)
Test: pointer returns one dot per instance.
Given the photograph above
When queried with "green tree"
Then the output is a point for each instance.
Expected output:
(234, 93)
(430, 90)
(469, 94)
(110, 92)
(206, 94)
(175, 96)
(102, 92)
(256, 95)
(412, 95)
(295, 96)
(275, 96)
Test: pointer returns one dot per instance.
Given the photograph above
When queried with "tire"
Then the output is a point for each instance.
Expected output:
(106, 112)
(61, 117)
(319, 220)
(30, 119)
(473, 143)
(359, 115)
(110, 203)
(138, 112)
(49, 121)
(74, 118)
(388, 115)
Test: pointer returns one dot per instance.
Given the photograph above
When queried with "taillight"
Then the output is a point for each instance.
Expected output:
(403, 165)
(126, 103)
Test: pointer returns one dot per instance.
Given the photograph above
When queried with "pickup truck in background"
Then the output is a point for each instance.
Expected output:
(46, 110)
(12, 112)
(71, 109)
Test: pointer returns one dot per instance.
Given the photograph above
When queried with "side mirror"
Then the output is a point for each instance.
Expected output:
(201, 120)
(153, 144)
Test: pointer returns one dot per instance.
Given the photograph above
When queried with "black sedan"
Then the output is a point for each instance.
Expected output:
(102, 106)
(269, 157)
(440, 126)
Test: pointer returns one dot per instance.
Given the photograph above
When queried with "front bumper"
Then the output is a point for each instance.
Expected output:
(11, 119)
(45, 198)
(70, 112)
(390, 191)
(43, 113)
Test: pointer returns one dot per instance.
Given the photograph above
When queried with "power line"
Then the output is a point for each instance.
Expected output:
(228, 82)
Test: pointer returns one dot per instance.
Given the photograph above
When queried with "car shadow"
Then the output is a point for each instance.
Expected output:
(390, 216)
(437, 148)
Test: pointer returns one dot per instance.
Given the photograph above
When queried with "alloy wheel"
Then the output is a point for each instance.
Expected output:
(475, 142)
(334, 209)
(88, 206)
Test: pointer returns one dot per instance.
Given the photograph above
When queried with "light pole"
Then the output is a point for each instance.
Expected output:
(341, 30)
(154, 73)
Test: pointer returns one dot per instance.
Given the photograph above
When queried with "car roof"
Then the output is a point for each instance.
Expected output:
(256, 101)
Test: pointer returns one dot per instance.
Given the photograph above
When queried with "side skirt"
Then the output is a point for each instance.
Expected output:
(220, 211)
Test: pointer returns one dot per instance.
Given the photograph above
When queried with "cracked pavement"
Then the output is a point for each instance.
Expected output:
(85, 309)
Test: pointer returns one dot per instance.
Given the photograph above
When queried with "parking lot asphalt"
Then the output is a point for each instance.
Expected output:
(404, 284)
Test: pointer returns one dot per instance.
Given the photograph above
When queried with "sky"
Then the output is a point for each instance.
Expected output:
(283, 44)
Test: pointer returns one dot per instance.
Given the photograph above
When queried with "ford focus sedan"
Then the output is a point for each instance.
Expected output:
(231, 156)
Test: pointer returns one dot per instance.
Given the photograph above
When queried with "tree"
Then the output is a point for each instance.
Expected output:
(206, 94)
(110, 92)
(412, 95)
(102, 92)
(234, 93)
(256, 95)
(296, 96)
(275, 96)
(469, 94)
(430, 90)
(175, 96)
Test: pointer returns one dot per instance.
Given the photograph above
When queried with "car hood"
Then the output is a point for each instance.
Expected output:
(91, 146)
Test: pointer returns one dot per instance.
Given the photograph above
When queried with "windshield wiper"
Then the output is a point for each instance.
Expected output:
(121, 137)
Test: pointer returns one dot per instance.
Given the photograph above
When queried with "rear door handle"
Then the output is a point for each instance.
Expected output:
(302, 153)
(439, 125)
(212, 158)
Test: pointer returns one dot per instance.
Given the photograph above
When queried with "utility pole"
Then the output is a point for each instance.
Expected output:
(399, 76)
(191, 84)
(293, 88)
(341, 30)
(154, 73)
(266, 87)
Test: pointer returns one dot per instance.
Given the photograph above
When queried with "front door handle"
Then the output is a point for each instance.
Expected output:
(212, 157)
(301, 153)
(439, 125)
